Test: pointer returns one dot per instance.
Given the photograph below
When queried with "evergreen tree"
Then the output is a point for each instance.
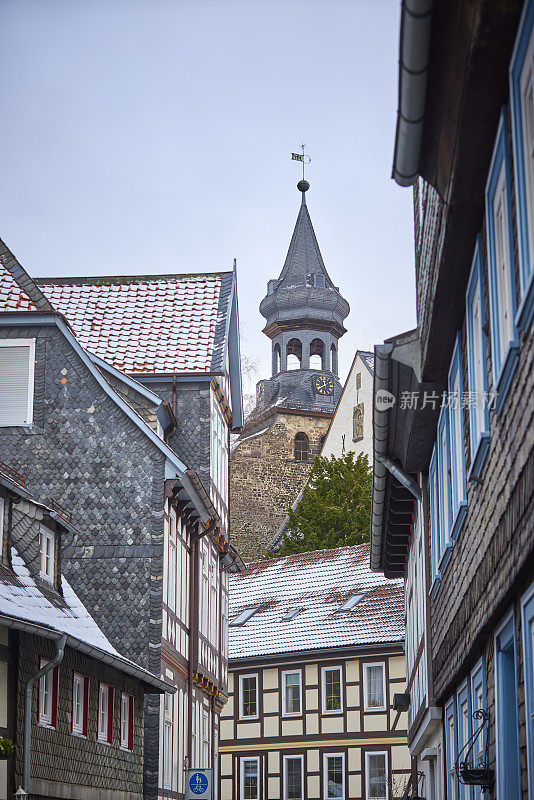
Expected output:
(334, 509)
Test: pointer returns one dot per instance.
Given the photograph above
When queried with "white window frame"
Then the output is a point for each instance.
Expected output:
(456, 439)
(242, 776)
(286, 713)
(172, 562)
(206, 739)
(324, 670)
(168, 708)
(46, 689)
(366, 668)
(78, 693)
(326, 756)
(105, 691)
(45, 536)
(248, 718)
(296, 757)
(369, 754)
(31, 378)
(126, 718)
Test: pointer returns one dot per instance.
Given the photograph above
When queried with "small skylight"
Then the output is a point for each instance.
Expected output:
(291, 614)
(244, 616)
(349, 604)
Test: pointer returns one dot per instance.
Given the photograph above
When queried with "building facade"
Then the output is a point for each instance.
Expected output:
(316, 656)
(152, 533)
(85, 732)
(453, 474)
(273, 456)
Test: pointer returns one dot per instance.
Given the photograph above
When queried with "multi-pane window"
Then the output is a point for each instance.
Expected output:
(80, 704)
(334, 776)
(47, 549)
(168, 704)
(127, 714)
(214, 616)
(476, 364)
(105, 713)
(332, 689)
(504, 343)
(205, 594)
(301, 447)
(374, 676)
(376, 776)
(48, 695)
(450, 750)
(456, 427)
(206, 739)
(171, 563)
(250, 779)
(522, 107)
(292, 692)
(248, 696)
(17, 361)
(293, 777)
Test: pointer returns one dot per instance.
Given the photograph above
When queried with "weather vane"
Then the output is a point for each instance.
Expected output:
(303, 157)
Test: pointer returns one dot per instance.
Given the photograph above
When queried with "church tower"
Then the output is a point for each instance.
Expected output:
(304, 315)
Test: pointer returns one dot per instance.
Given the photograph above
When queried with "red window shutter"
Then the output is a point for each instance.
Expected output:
(130, 722)
(55, 695)
(85, 705)
(111, 699)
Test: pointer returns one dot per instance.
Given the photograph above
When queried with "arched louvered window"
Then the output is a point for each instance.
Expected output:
(302, 447)
(317, 354)
(276, 359)
(294, 354)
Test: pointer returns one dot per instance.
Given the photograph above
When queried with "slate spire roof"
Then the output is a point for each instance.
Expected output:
(304, 255)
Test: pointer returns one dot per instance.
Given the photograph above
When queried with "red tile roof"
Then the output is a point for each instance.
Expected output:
(12, 296)
(148, 324)
(318, 583)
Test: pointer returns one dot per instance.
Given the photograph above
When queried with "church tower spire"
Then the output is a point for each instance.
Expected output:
(304, 311)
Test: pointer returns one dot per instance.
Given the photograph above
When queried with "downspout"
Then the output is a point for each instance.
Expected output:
(58, 658)
(380, 444)
(402, 477)
(416, 23)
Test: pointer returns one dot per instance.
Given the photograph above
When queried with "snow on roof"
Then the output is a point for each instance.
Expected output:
(23, 600)
(12, 296)
(145, 324)
(368, 359)
(318, 583)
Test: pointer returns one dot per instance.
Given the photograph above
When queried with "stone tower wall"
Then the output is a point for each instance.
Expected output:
(265, 479)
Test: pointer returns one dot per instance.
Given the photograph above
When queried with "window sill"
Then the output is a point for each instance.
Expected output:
(445, 558)
(459, 521)
(379, 710)
(125, 749)
(248, 719)
(436, 583)
(47, 725)
(479, 458)
(338, 711)
(104, 741)
(525, 312)
(295, 715)
(78, 735)
(504, 379)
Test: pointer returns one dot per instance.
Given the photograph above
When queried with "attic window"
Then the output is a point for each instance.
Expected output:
(291, 614)
(349, 604)
(244, 616)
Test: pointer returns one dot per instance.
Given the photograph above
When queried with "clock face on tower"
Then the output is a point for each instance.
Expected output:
(324, 384)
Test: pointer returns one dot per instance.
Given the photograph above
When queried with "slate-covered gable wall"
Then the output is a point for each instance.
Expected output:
(60, 757)
(84, 452)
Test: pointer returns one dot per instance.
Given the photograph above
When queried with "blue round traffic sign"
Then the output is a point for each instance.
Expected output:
(198, 783)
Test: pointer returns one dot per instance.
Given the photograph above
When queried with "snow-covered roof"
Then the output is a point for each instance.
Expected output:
(161, 324)
(28, 606)
(318, 583)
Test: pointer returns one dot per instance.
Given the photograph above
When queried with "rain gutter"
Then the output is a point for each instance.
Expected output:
(416, 22)
(380, 444)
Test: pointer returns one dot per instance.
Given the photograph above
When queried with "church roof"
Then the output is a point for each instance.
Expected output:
(144, 324)
(303, 256)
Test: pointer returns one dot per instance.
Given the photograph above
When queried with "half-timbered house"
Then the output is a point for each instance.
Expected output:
(134, 384)
(453, 483)
(316, 657)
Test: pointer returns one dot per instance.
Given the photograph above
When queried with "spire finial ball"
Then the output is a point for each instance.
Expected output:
(303, 186)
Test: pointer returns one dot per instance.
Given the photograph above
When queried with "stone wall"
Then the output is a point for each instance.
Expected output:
(265, 479)
(67, 760)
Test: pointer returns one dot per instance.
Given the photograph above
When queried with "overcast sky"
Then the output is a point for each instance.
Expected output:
(153, 136)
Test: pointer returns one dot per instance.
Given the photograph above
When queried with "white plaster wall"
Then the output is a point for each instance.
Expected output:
(342, 421)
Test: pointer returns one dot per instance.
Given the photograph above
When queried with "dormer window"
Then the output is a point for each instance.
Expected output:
(349, 604)
(244, 616)
(47, 549)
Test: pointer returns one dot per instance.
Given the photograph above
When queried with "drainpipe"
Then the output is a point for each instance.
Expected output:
(416, 23)
(58, 658)
(402, 477)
